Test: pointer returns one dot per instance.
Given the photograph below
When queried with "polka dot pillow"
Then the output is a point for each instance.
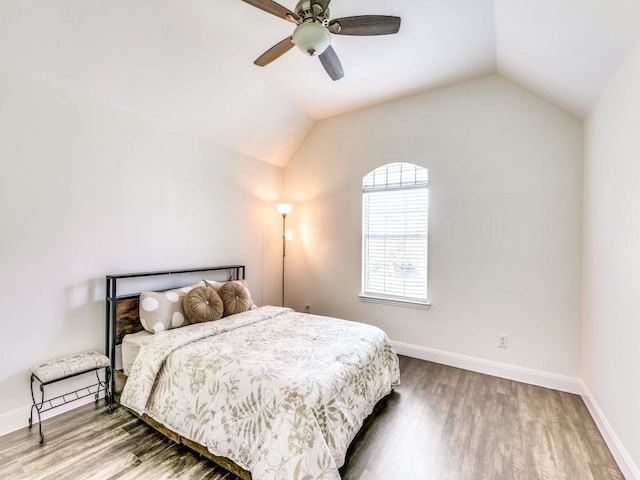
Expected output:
(160, 311)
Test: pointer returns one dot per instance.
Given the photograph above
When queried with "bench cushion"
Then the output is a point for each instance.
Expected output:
(71, 365)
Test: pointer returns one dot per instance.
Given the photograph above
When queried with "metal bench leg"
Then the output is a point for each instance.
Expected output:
(108, 396)
(37, 407)
(109, 387)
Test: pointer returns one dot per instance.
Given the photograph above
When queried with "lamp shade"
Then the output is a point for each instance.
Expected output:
(312, 38)
(284, 208)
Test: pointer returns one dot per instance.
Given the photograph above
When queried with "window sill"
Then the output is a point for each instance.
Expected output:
(395, 302)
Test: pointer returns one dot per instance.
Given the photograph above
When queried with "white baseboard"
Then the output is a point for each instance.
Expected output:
(629, 469)
(489, 367)
(14, 420)
(19, 418)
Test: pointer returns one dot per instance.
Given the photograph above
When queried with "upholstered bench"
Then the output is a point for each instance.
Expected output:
(63, 369)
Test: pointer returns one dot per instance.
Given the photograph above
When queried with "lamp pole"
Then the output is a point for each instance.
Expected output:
(284, 209)
(284, 251)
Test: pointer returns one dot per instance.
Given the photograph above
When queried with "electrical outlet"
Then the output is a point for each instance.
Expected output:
(307, 308)
(503, 341)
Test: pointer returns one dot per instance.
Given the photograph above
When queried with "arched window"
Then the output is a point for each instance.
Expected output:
(394, 233)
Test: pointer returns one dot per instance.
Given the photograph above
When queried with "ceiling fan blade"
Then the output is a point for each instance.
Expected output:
(365, 25)
(276, 9)
(275, 52)
(331, 63)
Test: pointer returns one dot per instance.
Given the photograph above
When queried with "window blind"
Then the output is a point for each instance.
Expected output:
(395, 228)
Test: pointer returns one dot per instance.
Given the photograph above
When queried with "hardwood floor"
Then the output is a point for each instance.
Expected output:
(447, 423)
(441, 423)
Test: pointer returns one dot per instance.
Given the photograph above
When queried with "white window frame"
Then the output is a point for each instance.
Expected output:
(390, 222)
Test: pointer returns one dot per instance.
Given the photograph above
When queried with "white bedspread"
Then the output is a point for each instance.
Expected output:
(280, 393)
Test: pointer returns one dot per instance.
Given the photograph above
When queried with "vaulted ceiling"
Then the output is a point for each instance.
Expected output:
(188, 64)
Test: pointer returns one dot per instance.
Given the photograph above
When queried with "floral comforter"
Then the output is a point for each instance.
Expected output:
(280, 393)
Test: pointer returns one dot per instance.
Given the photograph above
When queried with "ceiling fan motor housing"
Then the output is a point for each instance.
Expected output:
(313, 11)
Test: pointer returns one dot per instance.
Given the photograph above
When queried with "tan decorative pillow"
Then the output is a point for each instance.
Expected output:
(203, 304)
(218, 285)
(160, 311)
(235, 297)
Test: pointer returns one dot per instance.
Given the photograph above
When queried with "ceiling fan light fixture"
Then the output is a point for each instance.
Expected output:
(311, 38)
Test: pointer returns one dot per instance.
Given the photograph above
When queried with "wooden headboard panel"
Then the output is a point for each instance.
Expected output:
(127, 317)
(121, 311)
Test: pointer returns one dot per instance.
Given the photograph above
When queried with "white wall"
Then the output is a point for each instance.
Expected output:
(611, 299)
(87, 190)
(505, 172)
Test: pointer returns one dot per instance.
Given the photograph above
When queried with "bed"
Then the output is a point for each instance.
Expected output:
(266, 392)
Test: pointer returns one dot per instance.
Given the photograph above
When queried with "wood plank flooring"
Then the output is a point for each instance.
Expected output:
(442, 423)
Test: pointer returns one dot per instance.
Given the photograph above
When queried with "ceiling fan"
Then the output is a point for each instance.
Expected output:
(312, 34)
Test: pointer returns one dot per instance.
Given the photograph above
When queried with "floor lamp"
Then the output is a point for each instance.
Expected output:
(284, 209)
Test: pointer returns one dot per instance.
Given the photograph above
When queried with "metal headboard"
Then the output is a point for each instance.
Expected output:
(112, 336)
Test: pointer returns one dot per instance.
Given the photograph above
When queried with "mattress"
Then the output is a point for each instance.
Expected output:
(131, 344)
